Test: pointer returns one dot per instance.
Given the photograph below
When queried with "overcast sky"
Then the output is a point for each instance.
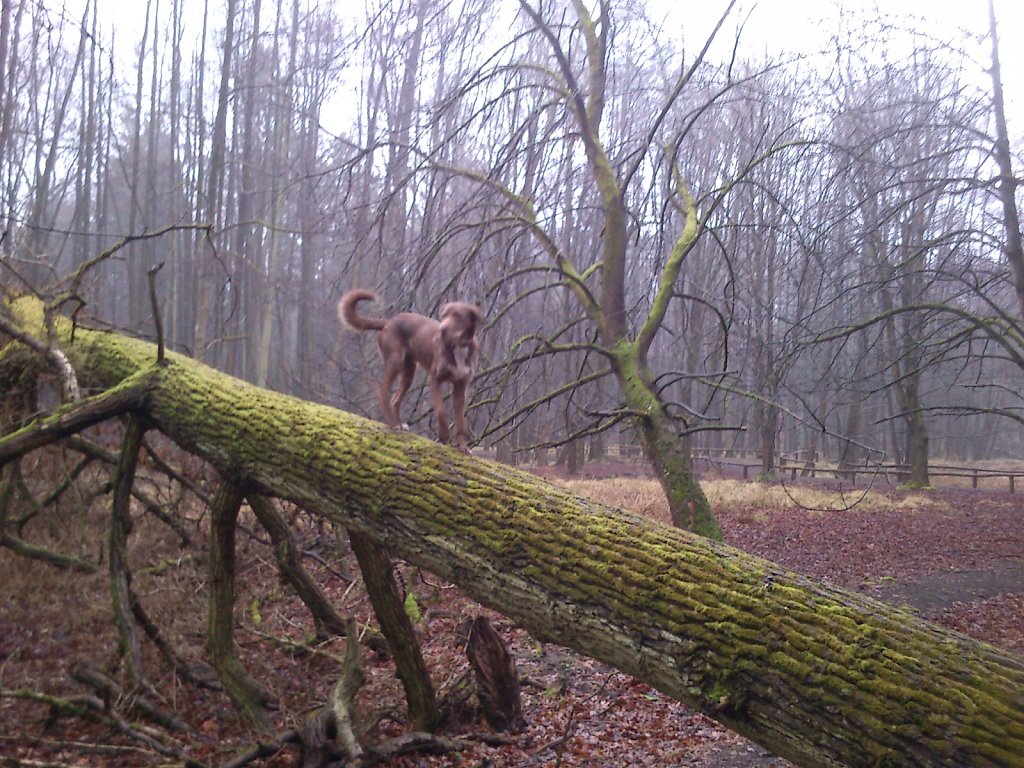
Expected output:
(806, 26)
(772, 26)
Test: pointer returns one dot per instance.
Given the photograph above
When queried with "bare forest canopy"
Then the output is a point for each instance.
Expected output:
(811, 255)
(814, 673)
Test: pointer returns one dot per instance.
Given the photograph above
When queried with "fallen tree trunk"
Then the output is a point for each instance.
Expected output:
(816, 674)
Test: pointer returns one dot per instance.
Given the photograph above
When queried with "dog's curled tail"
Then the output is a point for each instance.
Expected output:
(349, 315)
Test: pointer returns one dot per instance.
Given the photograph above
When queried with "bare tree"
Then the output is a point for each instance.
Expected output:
(647, 261)
(618, 171)
(1008, 183)
(907, 181)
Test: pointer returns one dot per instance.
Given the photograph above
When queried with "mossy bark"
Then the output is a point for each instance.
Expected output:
(665, 441)
(818, 675)
(667, 451)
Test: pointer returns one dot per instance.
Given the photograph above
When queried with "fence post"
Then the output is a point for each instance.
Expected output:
(1011, 482)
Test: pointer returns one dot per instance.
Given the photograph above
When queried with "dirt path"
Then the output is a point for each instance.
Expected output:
(938, 591)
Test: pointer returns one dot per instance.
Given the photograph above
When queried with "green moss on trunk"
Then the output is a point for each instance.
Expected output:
(664, 447)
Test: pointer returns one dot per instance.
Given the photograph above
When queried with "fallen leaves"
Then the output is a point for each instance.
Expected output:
(579, 712)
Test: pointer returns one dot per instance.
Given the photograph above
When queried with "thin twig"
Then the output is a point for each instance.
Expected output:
(157, 320)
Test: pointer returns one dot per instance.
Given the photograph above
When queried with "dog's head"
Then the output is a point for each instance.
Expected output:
(458, 322)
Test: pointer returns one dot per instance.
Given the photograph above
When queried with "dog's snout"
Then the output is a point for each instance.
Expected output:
(455, 332)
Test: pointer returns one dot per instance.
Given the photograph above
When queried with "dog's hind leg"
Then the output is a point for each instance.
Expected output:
(392, 370)
(404, 382)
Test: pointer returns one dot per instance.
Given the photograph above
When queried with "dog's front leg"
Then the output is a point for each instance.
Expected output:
(438, 397)
(459, 407)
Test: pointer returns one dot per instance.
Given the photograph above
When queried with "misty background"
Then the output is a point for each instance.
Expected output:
(848, 297)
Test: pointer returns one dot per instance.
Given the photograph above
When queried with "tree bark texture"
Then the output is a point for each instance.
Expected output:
(247, 694)
(397, 627)
(497, 678)
(665, 448)
(120, 528)
(816, 674)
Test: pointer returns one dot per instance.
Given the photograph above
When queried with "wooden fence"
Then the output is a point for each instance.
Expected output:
(748, 463)
(892, 473)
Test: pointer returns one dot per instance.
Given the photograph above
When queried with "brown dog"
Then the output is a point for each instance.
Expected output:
(446, 350)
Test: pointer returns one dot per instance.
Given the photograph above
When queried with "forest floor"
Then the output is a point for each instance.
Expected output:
(955, 556)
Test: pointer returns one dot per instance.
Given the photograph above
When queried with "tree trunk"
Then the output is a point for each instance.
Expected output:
(665, 447)
(816, 674)
(210, 208)
(120, 575)
(667, 451)
(767, 428)
(397, 627)
(1004, 159)
(136, 270)
(671, 457)
(917, 451)
(247, 694)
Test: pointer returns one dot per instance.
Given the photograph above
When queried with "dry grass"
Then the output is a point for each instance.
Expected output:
(730, 494)
(644, 497)
(640, 495)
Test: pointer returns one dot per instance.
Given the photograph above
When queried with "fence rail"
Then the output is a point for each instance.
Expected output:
(893, 473)
(748, 462)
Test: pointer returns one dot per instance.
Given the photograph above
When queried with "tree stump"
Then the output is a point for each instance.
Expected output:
(496, 676)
